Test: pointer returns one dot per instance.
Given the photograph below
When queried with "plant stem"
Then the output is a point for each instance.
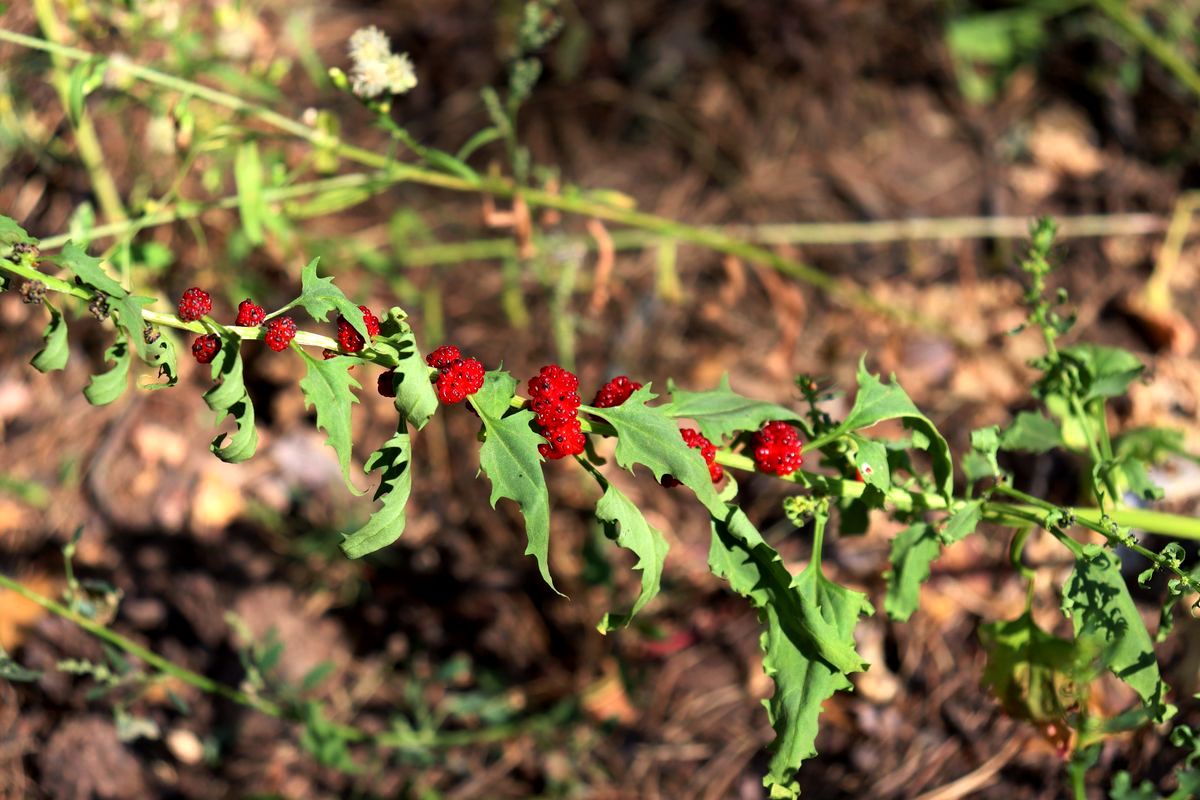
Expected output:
(1119, 12)
(573, 201)
(160, 663)
(393, 739)
(90, 152)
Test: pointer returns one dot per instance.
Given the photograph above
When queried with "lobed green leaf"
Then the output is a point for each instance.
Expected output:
(319, 297)
(54, 355)
(1097, 600)
(416, 399)
(808, 641)
(229, 397)
(648, 436)
(510, 458)
(394, 463)
(962, 523)
(634, 533)
(877, 401)
(329, 388)
(108, 386)
(913, 550)
(722, 412)
(1031, 432)
(12, 234)
(89, 272)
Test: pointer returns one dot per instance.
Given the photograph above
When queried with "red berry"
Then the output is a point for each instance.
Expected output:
(328, 354)
(280, 332)
(777, 449)
(562, 441)
(615, 392)
(697, 441)
(443, 356)
(249, 314)
(350, 340)
(194, 304)
(553, 397)
(462, 377)
(206, 347)
(387, 385)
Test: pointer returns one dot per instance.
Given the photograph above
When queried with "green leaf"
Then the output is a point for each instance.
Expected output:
(127, 312)
(650, 437)
(416, 399)
(229, 397)
(319, 297)
(1138, 479)
(108, 386)
(162, 354)
(394, 463)
(1097, 600)
(11, 671)
(483, 137)
(877, 401)
(1107, 371)
(981, 462)
(248, 177)
(808, 641)
(962, 523)
(329, 388)
(1034, 675)
(447, 163)
(1031, 433)
(88, 270)
(54, 355)
(722, 412)
(1123, 789)
(12, 234)
(913, 550)
(871, 461)
(620, 515)
(510, 458)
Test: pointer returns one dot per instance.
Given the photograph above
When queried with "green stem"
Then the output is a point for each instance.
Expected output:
(572, 202)
(90, 152)
(1119, 12)
(163, 665)
(190, 210)
(351, 733)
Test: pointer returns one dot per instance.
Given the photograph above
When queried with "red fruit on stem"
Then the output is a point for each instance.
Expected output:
(206, 347)
(443, 356)
(777, 449)
(194, 304)
(615, 392)
(387, 385)
(280, 332)
(250, 314)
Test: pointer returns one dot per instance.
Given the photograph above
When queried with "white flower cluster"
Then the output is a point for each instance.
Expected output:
(377, 70)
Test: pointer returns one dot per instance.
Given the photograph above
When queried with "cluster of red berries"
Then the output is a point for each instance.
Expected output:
(554, 400)
(350, 340)
(278, 334)
(457, 377)
(777, 449)
(698, 441)
(615, 392)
